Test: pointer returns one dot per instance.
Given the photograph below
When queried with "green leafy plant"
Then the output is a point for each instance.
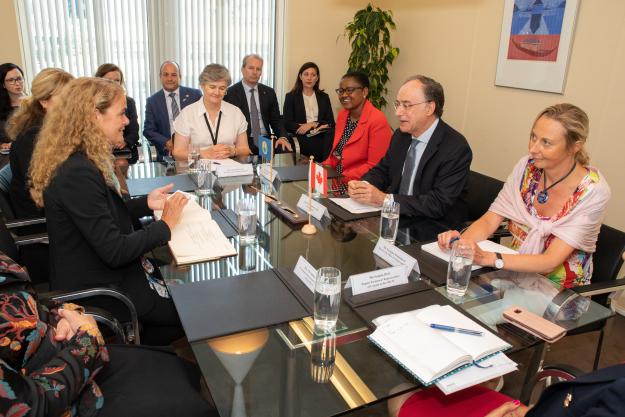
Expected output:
(372, 52)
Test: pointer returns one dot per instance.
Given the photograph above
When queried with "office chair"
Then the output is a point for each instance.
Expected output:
(481, 192)
(12, 247)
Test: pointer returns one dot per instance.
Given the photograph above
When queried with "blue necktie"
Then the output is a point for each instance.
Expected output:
(410, 168)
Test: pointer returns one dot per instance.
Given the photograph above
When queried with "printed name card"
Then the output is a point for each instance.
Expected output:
(306, 273)
(267, 172)
(395, 256)
(238, 170)
(317, 210)
(379, 279)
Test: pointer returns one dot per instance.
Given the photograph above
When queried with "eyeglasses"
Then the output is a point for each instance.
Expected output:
(348, 90)
(405, 105)
(14, 80)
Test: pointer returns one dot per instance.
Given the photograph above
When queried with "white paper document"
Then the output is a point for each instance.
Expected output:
(197, 237)
(354, 206)
(487, 245)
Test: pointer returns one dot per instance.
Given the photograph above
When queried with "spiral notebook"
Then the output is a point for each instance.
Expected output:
(429, 354)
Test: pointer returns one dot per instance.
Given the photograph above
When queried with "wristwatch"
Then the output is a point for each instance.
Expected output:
(498, 261)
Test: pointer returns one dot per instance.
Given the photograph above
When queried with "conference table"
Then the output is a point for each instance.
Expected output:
(286, 369)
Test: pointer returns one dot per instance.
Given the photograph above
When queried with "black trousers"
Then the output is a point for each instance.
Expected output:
(142, 381)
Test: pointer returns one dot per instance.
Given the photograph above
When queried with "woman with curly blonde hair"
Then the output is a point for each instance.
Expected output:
(23, 128)
(90, 226)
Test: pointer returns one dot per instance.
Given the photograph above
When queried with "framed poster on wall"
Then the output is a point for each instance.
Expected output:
(535, 44)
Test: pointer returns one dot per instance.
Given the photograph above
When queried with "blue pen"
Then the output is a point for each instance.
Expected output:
(456, 329)
(453, 239)
(216, 163)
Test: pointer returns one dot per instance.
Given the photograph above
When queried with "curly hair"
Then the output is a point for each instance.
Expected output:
(72, 128)
(576, 124)
(46, 84)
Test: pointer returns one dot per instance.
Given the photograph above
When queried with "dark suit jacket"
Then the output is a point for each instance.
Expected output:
(21, 153)
(92, 241)
(269, 110)
(598, 394)
(156, 123)
(131, 132)
(294, 110)
(440, 184)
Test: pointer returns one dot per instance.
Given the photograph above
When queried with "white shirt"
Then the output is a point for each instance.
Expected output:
(191, 123)
(168, 101)
(312, 108)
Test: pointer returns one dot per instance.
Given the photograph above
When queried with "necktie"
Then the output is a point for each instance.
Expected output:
(174, 106)
(254, 117)
(410, 168)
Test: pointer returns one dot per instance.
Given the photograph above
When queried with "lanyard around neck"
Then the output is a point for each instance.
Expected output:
(210, 130)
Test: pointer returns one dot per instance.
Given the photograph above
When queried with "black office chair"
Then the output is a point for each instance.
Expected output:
(12, 247)
(481, 192)
(607, 262)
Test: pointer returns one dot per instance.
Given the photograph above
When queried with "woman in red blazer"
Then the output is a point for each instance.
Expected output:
(362, 133)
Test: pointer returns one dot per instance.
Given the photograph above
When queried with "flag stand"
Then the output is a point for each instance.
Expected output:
(309, 229)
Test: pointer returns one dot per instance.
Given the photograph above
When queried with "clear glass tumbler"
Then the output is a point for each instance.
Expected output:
(459, 268)
(327, 298)
(204, 177)
(246, 212)
(193, 157)
(389, 221)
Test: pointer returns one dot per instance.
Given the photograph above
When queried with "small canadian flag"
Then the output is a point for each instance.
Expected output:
(319, 178)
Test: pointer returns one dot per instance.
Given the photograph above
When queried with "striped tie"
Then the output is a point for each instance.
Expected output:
(174, 106)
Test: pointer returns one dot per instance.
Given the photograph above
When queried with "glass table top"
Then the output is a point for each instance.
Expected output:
(277, 370)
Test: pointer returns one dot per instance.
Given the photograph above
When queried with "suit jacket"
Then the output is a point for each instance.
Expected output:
(131, 131)
(598, 394)
(269, 110)
(366, 146)
(92, 240)
(294, 110)
(156, 123)
(440, 184)
(21, 153)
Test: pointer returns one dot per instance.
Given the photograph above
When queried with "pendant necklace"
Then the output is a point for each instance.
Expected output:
(543, 196)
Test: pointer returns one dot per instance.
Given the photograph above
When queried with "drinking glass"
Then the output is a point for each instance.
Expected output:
(194, 157)
(459, 268)
(204, 178)
(389, 221)
(327, 298)
(246, 211)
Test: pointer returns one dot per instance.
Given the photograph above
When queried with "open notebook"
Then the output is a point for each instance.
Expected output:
(354, 206)
(197, 237)
(430, 354)
(486, 245)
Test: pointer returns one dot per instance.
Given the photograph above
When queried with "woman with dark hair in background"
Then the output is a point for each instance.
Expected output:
(307, 110)
(131, 132)
(11, 94)
(23, 128)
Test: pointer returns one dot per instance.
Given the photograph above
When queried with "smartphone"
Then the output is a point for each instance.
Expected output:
(534, 324)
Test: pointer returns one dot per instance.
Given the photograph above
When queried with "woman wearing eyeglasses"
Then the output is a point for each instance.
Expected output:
(217, 127)
(362, 134)
(11, 95)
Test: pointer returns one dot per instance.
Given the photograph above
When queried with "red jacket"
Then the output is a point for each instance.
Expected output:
(367, 145)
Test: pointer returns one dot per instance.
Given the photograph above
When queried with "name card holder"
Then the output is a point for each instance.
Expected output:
(239, 170)
(317, 210)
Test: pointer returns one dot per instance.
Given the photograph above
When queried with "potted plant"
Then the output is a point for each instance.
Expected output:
(372, 52)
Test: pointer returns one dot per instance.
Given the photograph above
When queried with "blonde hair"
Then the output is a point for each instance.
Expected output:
(46, 84)
(72, 128)
(576, 124)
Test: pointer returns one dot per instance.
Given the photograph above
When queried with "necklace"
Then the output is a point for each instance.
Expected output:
(543, 196)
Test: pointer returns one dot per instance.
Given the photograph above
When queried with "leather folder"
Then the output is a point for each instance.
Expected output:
(344, 215)
(227, 228)
(297, 287)
(292, 216)
(299, 173)
(143, 186)
(219, 307)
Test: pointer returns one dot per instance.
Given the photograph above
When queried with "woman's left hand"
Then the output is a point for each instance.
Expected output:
(221, 151)
(158, 196)
(304, 128)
